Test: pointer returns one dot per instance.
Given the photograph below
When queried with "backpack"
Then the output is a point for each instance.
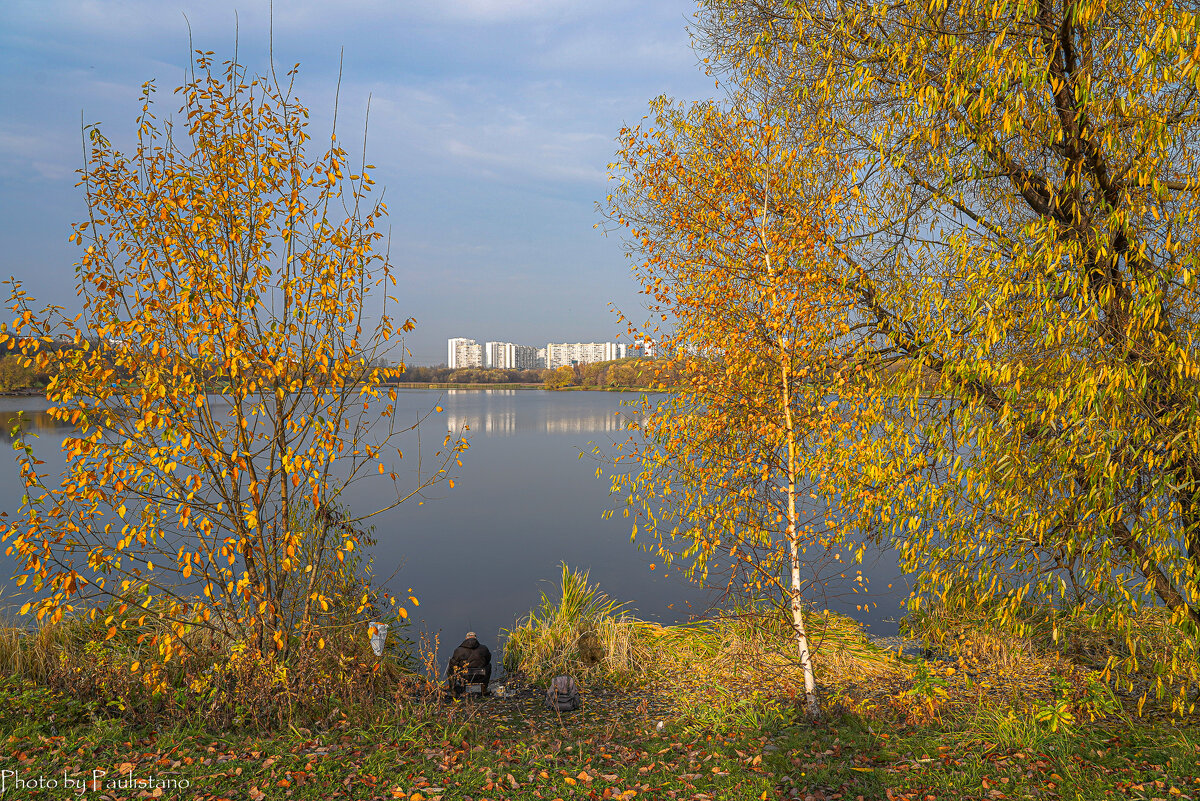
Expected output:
(562, 695)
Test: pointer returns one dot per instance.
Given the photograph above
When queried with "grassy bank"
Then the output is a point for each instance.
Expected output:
(613, 749)
(701, 711)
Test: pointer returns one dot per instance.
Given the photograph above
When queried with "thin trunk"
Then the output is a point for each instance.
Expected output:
(811, 707)
(783, 342)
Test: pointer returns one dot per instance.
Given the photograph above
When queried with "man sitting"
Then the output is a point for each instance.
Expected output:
(470, 664)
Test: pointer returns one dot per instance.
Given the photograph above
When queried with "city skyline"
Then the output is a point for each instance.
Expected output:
(464, 352)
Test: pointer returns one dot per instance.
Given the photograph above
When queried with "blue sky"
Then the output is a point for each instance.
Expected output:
(491, 124)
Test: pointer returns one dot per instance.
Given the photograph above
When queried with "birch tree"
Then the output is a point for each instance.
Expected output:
(733, 259)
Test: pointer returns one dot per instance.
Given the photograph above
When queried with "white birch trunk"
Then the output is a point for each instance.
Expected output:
(811, 708)
(783, 344)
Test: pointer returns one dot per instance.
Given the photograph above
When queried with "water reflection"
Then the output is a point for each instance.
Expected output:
(504, 419)
(37, 422)
(480, 555)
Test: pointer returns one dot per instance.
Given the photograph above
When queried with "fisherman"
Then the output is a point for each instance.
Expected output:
(470, 664)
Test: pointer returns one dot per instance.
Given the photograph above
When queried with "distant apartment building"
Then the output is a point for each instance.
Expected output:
(642, 349)
(510, 356)
(567, 353)
(462, 352)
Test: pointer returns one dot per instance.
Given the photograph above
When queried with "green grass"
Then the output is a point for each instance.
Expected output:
(989, 756)
(485, 752)
(611, 748)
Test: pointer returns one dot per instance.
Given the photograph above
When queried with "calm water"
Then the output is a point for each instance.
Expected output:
(479, 555)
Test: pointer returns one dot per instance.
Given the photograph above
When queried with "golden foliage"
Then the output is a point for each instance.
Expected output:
(224, 382)
(1020, 243)
(730, 219)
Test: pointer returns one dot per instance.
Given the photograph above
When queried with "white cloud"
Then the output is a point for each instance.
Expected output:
(651, 50)
(28, 152)
(464, 127)
(491, 121)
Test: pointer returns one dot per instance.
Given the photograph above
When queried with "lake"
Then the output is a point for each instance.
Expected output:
(479, 555)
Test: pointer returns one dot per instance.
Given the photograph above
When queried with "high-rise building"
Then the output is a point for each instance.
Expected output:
(566, 353)
(641, 349)
(509, 356)
(462, 352)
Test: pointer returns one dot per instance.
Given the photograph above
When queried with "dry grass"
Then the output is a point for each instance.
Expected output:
(1069, 643)
(727, 670)
(219, 680)
(754, 651)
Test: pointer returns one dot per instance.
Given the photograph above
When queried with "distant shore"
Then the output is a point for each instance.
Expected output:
(32, 392)
(450, 385)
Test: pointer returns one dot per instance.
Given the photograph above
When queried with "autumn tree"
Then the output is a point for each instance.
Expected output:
(14, 374)
(731, 233)
(234, 280)
(564, 376)
(1025, 255)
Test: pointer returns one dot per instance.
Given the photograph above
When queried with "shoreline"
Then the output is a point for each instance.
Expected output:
(450, 385)
(41, 393)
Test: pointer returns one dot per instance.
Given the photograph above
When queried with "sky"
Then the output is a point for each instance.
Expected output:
(491, 125)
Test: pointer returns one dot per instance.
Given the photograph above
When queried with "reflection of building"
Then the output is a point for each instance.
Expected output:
(562, 354)
(462, 352)
(496, 423)
(509, 356)
(507, 421)
(586, 423)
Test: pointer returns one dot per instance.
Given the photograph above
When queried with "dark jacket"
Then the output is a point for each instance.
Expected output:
(471, 655)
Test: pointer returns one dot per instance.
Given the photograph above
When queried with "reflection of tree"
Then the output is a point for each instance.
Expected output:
(36, 422)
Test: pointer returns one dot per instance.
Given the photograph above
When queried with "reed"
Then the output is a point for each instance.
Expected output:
(579, 631)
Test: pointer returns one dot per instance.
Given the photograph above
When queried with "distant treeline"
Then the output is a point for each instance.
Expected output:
(619, 374)
(469, 375)
(15, 376)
